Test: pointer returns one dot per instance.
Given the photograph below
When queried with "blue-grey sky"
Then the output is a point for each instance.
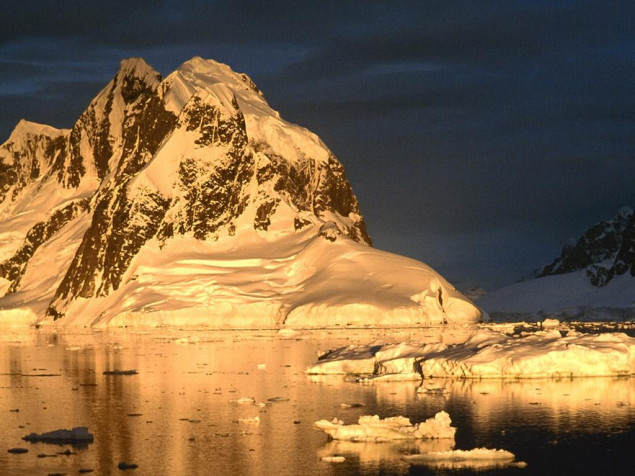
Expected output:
(478, 136)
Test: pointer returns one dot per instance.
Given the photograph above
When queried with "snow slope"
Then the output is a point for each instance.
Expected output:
(567, 296)
(298, 280)
(593, 279)
(188, 201)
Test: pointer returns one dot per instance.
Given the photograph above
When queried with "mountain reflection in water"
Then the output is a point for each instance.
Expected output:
(180, 414)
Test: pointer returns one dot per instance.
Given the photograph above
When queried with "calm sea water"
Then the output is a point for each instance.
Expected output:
(179, 415)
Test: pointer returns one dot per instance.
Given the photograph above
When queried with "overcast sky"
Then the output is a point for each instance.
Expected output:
(478, 136)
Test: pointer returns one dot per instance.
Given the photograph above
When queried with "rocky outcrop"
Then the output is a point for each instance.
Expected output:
(32, 152)
(605, 250)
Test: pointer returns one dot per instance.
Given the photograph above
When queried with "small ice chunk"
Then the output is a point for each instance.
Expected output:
(550, 323)
(277, 399)
(124, 466)
(17, 451)
(246, 401)
(333, 459)
(250, 421)
(372, 428)
(79, 434)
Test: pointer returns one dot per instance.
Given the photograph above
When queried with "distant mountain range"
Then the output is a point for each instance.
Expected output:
(189, 201)
(591, 279)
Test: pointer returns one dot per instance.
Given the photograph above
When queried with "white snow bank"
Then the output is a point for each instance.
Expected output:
(490, 354)
(372, 428)
(478, 458)
(297, 280)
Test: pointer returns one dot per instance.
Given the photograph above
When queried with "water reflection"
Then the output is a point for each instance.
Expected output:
(373, 456)
(179, 414)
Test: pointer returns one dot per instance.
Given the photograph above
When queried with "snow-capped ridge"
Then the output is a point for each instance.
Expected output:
(25, 127)
(189, 201)
(593, 278)
(139, 68)
(605, 250)
(199, 74)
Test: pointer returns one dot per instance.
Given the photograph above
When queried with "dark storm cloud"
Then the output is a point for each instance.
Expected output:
(498, 35)
(478, 136)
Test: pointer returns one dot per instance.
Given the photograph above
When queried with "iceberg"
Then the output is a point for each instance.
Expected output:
(491, 354)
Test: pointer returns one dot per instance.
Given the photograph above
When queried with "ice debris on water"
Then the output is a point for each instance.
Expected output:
(249, 421)
(372, 428)
(478, 458)
(79, 434)
(124, 466)
(333, 459)
(246, 401)
(17, 450)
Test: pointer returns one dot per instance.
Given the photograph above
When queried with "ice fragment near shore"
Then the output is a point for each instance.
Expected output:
(372, 428)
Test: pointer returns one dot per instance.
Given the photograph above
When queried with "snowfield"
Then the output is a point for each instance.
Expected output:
(567, 296)
(295, 280)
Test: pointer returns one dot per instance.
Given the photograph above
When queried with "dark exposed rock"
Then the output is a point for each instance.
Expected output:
(13, 269)
(119, 228)
(625, 258)
(605, 250)
(33, 158)
(263, 214)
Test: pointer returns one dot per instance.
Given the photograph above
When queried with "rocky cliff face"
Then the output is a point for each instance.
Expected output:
(605, 250)
(199, 154)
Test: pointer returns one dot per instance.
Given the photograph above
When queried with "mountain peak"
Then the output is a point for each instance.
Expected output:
(137, 67)
(25, 127)
(189, 200)
(605, 250)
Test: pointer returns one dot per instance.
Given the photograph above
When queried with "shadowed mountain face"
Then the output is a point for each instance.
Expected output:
(605, 250)
(197, 155)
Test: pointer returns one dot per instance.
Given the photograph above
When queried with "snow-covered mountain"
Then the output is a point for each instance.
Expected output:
(189, 201)
(591, 279)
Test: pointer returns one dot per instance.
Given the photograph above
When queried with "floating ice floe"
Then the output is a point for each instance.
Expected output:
(333, 459)
(490, 354)
(249, 421)
(372, 428)
(478, 458)
(245, 401)
(77, 435)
